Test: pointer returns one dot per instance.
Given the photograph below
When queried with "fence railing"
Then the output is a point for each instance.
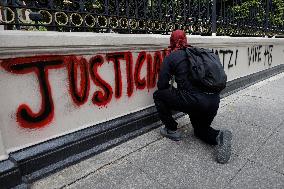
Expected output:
(250, 17)
(201, 17)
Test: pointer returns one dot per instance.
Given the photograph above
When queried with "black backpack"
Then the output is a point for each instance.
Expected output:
(205, 70)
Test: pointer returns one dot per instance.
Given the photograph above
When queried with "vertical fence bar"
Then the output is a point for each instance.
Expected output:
(152, 9)
(266, 17)
(52, 24)
(128, 16)
(214, 17)
(136, 9)
(3, 14)
(107, 12)
(17, 23)
(160, 9)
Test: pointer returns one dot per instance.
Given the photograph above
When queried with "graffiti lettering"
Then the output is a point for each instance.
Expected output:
(129, 72)
(231, 63)
(115, 58)
(153, 69)
(40, 65)
(79, 91)
(100, 98)
(79, 96)
(268, 55)
(140, 83)
(256, 55)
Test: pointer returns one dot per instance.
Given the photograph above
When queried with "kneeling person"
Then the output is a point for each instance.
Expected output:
(201, 106)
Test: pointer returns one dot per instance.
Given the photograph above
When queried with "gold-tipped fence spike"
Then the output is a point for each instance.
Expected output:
(150, 25)
(92, 20)
(113, 22)
(102, 21)
(187, 29)
(42, 12)
(60, 14)
(141, 24)
(67, 2)
(157, 25)
(133, 23)
(123, 23)
(5, 9)
(23, 15)
(170, 26)
(79, 19)
(164, 26)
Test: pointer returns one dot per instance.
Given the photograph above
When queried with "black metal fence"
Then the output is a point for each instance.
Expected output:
(201, 17)
(250, 17)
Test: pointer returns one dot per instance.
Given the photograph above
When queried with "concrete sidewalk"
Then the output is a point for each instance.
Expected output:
(255, 115)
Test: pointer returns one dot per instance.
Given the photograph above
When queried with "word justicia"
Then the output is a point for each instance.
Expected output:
(79, 87)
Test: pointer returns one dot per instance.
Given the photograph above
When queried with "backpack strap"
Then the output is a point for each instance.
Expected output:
(183, 59)
(191, 55)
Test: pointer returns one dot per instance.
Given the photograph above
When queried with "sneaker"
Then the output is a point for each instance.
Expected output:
(173, 135)
(224, 140)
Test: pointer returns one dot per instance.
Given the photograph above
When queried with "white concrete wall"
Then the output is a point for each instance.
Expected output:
(21, 89)
(3, 153)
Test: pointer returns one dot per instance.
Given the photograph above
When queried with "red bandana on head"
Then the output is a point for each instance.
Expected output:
(178, 40)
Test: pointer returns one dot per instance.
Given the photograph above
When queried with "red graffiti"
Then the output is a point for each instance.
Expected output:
(40, 65)
(86, 69)
(153, 69)
(129, 72)
(80, 95)
(99, 98)
(140, 83)
(115, 58)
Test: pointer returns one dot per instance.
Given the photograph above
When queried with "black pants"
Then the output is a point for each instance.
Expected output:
(201, 108)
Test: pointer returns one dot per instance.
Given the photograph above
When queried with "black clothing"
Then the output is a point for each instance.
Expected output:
(176, 64)
(201, 107)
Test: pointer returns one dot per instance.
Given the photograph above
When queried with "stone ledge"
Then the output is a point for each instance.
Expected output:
(77, 39)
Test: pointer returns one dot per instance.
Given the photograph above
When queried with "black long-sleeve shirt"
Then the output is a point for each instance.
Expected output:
(176, 63)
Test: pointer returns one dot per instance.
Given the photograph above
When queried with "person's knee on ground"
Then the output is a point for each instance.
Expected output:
(222, 139)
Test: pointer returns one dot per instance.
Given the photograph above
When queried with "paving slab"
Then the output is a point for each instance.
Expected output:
(92, 164)
(186, 164)
(271, 90)
(247, 138)
(255, 176)
(271, 154)
(123, 174)
(262, 85)
(261, 112)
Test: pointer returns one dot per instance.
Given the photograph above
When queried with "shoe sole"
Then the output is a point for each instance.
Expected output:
(165, 134)
(224, 150)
